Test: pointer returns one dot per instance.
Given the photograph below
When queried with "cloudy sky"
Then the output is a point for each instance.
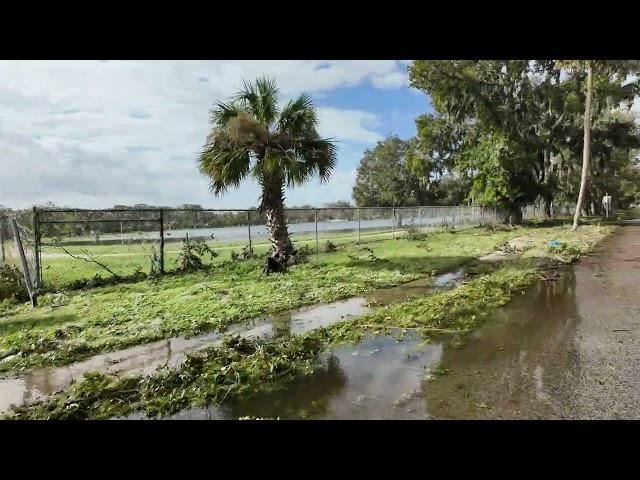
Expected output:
(100, 133)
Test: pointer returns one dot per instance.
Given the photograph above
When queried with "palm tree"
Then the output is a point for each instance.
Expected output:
(251, 136)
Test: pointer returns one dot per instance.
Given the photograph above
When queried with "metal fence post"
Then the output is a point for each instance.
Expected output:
(36, 246)
(419, 218)
(161, 240)
(459, 215)
(2, 254)
(393, 224)
(317, 242)
(358, 225)
(249, 229)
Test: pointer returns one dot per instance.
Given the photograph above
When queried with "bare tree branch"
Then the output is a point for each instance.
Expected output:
(91, 259)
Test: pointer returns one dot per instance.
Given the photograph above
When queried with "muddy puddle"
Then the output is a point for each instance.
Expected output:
(145, 359)
(521, 364)
(380, 378)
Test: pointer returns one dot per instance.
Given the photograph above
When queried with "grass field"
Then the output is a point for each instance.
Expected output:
(70, 325)
(60, 269)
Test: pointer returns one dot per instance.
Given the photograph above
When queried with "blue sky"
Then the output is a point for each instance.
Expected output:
(94, 134)
(397, 108)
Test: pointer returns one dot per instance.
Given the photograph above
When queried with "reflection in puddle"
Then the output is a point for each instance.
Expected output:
(145, 359)
(519, 365)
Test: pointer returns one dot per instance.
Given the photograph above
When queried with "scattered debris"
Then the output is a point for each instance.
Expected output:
(8, 353)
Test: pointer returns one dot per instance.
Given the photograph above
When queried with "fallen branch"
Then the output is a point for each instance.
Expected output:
(560, 259)
(429, 329)
(89, 260)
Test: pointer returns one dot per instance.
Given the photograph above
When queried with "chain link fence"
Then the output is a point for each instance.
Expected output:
(67, 247)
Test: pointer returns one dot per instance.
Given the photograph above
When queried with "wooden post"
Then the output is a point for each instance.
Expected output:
(249, 226)
(161, 240)
(25, 266)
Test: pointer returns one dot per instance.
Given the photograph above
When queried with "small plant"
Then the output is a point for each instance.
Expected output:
(12, 284)
(506, 247)
(437, 371)
(190, 257)
(329, 247)
(370, 255)
(498, 227)
(302, 254)
(154, 268)
(413, 233)
(246, 254)
(568, 252)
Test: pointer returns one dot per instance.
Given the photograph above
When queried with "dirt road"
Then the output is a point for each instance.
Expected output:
(569, 348)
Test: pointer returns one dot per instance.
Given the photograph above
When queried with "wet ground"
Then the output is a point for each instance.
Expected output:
(500, 371)
(145, 359)
(571, 350)
(568, 347)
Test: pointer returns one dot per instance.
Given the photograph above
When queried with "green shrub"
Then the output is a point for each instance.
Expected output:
(12, 284)
(329, 247)
(190, 257)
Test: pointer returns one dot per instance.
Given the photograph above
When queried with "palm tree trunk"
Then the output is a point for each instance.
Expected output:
(273, 207)
(586, 149)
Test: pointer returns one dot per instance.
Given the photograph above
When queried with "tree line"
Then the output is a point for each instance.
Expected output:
(508, 133)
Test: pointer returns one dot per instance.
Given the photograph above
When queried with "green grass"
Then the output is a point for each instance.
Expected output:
(466, 307)
(60, 269)
(244, 367)
(72, 325)
(69, 326)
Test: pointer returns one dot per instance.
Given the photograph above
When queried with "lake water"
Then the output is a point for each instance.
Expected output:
(429, 219)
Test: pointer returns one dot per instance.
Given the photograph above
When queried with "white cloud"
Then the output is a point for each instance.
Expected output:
(348, 125)
(390, 80)
(93, 133)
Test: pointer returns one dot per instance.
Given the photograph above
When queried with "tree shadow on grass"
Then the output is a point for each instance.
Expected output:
(408, 264)
(9, 326)
(547, 223)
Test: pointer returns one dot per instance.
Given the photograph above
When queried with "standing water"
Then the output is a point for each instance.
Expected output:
(503, 370)
(145, 359)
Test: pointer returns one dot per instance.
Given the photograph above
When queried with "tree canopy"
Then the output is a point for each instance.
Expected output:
(384, 179)
(514, 127)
